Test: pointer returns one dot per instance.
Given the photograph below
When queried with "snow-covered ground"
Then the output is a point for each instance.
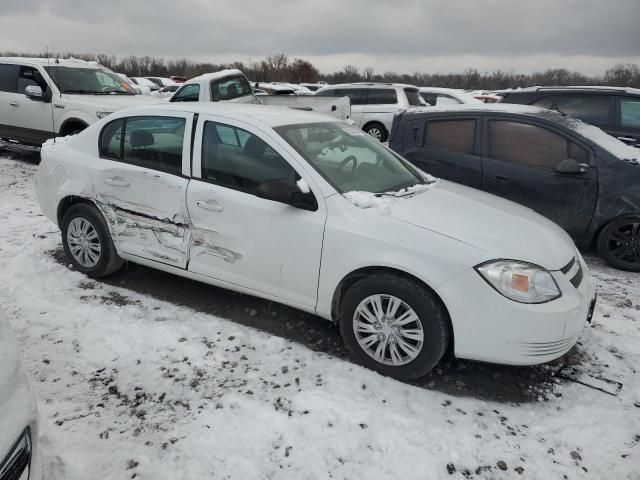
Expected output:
(131, 386)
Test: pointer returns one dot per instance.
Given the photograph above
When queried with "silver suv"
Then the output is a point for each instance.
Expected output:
(373, 105)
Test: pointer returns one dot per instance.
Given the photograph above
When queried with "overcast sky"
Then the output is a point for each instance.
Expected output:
(399, 35)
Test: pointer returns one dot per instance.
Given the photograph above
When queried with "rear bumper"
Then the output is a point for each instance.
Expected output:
(489, 327)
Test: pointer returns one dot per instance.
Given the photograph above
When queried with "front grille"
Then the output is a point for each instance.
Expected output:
(17, 461)
(543, 349)
(574, 271)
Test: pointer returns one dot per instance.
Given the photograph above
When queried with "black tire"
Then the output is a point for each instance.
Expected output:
(373, 127)
(427, 306)
(619, 243)
(108, 261)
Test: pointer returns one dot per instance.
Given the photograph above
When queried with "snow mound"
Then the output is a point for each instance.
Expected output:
(55, 143)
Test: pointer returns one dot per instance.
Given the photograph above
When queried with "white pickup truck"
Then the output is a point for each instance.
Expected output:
(42, 98)
(233, 86)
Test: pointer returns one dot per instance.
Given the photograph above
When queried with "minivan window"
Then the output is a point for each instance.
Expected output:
(592, 109)
(382, 96)
(545, 149)
(413, 96)
(188, 93)
(453, 135)
(630, 112)
(8, 77)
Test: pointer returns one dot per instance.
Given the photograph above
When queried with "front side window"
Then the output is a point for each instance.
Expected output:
(413, 97)
(453, 135)
(30, 77)
(592, 109)
(531, 145)
(150, 142)
(382, 96)
(188, 93)
(229, 88)
(630, 112)
(87, 81)
(8, 77)
(348, 158)
(237, 159)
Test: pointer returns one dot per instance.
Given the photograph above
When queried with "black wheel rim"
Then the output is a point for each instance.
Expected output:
(623, 244)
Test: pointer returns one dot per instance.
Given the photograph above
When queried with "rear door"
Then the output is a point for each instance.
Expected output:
(142, 185)
(519, 162)
(446, 147)
(628, 120)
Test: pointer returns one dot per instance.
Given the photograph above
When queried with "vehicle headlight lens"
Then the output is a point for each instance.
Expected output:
(18, 460)
(103, 114)
(519, 281)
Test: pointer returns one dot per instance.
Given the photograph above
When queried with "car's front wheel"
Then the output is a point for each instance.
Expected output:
(377, 131)
(394, 325)
(619, 243)
(87, 242)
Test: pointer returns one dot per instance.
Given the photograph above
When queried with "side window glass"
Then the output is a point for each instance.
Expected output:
(154, 142)
(544, 148)
(546, 102)
(357, 96)
(235, 158)
(188, 93)
(328, 93)
(588, 108)
(413, 97)
(453, 135)
(8, 77)
(630, 112)
(110, 140)
(382, 96)
(447, 100)
(29, 77)
(430, 98)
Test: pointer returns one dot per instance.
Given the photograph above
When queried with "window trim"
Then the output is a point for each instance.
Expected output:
(185, 142)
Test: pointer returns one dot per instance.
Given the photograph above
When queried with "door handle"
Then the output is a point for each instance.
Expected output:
(14, 103)
(116, 181)
(209, 205)
(627, 139)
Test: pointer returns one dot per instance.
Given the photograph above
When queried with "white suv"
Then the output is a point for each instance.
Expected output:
(42, 98)
(373, 105)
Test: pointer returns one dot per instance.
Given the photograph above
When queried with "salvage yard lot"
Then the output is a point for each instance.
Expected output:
(149, 376)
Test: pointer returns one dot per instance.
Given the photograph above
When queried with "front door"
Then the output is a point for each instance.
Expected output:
(240, 238)
(519, 163)
(142, 183)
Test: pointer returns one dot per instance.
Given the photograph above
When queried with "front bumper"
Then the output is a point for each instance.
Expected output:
(491, 328)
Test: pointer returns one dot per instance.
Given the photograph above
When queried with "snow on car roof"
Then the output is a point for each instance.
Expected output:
(482, 107)
(603, 88)
(214, 75)
(272, 116)
(65, 62)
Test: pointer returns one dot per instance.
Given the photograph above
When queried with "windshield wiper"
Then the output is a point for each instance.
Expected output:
(95, 92)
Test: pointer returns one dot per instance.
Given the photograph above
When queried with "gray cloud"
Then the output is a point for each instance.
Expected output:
(502, 31)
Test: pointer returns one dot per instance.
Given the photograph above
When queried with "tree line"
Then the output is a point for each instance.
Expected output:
(281, 68)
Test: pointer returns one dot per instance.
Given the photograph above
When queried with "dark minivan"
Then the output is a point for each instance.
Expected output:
(571, 172)
(615, 110)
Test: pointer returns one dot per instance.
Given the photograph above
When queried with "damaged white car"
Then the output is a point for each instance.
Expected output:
(302, 209)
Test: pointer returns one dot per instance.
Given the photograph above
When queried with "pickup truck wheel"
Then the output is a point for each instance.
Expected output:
(377, 131)
(619, 243)
(87, 242)
(394, 325)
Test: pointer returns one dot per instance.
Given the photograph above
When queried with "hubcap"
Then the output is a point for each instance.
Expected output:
(624, 244)
(388, 330)
(83, 242)
(375, 133)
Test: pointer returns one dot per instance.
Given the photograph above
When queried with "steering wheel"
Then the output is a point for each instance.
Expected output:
(350, 158)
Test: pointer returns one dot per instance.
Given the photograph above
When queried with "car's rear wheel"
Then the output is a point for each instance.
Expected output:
(619, 243)
(87, 242)
(394, 325)
(377, 131)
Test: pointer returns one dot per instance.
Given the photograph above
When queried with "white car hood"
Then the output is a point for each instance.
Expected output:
(110, 103)
(9, 362)
(500, 227)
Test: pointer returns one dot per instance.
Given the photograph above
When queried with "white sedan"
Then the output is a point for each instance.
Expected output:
(19, 453)
(311, 212)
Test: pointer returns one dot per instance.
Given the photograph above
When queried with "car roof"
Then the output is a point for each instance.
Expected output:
(370, 85)
(483, 108)
(574, 88)
(65, 62)
(214, 75)
(272, 116)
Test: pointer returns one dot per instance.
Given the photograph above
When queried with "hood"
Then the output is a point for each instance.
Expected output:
(500, 227)
(111, 103)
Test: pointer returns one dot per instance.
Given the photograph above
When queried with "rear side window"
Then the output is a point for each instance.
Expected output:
(430, 98)
(357, 96)
(8, 77)
(382, 96)
(237, 159)
(330, 92)
(630, 112)
(453, 135)
(413, 96)
(592, 109)
(531, 145)
(150, 142)
(188, 93)
(230, 88)
(447, 100)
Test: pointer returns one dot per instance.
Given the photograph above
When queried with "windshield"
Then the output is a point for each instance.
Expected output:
(229, 88)
(350, 159)
(88, 81)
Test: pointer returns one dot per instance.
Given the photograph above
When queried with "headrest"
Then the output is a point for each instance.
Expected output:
(141, 138)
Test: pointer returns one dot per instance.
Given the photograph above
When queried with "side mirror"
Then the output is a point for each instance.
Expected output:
(287, 192)
(34, 92)
(570, 166)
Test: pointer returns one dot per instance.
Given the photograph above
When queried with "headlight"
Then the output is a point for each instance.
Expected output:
(18, 460)
(103, 114)
(519, 281)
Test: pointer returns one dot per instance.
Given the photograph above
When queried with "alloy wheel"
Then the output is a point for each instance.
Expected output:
(624, 244)
(375, 132)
